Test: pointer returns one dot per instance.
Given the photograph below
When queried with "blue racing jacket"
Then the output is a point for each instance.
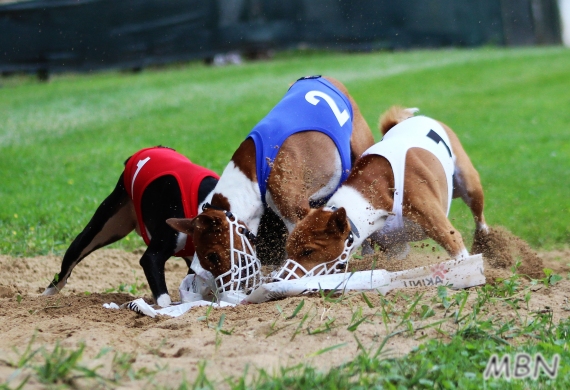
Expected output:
(312, 103)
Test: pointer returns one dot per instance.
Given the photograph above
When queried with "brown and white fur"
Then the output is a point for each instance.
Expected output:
(366, 199)
(307, 167)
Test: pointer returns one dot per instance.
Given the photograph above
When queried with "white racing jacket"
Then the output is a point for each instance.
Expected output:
(416, 132)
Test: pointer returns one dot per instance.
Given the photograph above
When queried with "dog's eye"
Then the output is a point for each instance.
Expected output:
(213, 257)
(307, 252)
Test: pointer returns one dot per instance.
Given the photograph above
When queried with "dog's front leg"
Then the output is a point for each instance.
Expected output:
(152, 262)
(438, 228)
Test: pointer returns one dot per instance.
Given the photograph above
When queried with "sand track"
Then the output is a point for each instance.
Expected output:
(260, 336)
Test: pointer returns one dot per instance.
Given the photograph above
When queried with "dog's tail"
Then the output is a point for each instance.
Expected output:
(393, 116)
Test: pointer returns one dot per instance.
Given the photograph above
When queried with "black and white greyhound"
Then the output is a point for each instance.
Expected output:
(156, 184)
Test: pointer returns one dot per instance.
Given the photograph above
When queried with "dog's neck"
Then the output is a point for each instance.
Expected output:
(205, 191)
(360, 211)
(240, 195)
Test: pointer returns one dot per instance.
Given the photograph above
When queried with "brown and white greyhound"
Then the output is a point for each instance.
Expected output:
(295, 157)
(156, 184)
(399, 191)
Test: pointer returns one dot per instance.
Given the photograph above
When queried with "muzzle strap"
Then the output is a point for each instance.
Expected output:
(248, 233)
(290, 268)
(244, 274)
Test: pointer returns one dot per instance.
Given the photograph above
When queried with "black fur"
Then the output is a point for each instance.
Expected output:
(115, 218)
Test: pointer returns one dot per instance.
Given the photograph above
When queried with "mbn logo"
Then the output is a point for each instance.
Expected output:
(523, 366)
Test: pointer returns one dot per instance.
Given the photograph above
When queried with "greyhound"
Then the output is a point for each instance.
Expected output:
(157, 183)
(293, 159)
(400, 190)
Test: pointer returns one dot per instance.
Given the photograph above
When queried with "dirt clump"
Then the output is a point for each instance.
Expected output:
(502, 249)
(7, 291)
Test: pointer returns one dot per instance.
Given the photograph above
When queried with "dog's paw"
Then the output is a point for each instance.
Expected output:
(50, 291)
(367, 248)
(163, 300)
(140, 306)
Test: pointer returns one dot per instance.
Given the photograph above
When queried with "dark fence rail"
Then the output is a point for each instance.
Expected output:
(80, 35)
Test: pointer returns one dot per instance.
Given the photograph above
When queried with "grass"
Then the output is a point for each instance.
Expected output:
(133, 288)
(62, 143)
(64, 368)
(457, 359)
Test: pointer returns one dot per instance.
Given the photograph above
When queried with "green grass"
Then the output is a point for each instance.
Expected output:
(457, 359)
(64, 368)
(62, 144)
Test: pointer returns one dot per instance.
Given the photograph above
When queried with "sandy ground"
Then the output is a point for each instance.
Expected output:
(260, 336)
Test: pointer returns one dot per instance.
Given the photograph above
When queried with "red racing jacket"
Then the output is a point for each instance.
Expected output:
(149, 164)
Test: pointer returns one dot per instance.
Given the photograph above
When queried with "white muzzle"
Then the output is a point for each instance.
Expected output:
(290, 268)
(245, 270)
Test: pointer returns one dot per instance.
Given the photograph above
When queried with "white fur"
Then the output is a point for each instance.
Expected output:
(459, 186)
(363, 215)
(163, 300)
(243, 195)
(208, 199)
(50, 291)
(482, 226)
(369, 220)
(412, 110)
(462, 255)
(180, 242)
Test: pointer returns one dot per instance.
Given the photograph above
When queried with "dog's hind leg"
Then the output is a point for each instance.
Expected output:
(113, 220)
(467, 185)
(367, 247)
(466, 181)
(162, 199)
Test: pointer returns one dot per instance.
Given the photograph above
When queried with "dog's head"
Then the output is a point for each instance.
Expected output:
(319, 238)
(210, 233)
(224, 246)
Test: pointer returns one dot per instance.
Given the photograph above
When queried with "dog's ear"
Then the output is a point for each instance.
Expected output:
(206, 222)
(338, 223)
(202, 222)
(183, 225)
